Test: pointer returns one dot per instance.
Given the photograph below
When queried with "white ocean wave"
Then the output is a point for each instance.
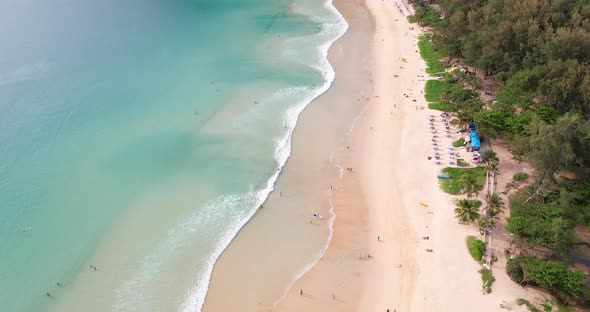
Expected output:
(131, 295)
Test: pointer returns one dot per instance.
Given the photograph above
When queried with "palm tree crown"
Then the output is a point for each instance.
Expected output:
(469, 184)
(466, 210)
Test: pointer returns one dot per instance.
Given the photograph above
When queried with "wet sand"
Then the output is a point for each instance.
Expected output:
(377, 258)
(387, 264)
(279, 243)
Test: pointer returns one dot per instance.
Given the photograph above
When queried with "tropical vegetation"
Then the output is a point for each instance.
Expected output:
(454, 186)
(467, 210)
(487, 279)
(567, 284)
(534, 57)
(476, 248)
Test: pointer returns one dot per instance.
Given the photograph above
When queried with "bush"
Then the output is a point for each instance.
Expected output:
(441, 107)
(521, 176)
(529, 305)
(514, 271)
(452, 186)
(487, 279)
(430, 56)
(546, 225)
(476, 248)
(462, 163)
(567, 285)
(434, 90)
(459, 143)
(425, 14)
(412, 18)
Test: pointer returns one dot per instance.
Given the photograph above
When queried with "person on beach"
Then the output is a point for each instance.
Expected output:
(301, 292)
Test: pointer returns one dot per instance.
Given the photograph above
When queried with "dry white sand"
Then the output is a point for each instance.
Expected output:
(380, 198)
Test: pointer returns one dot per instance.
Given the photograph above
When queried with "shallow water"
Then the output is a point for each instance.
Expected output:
(138, 136)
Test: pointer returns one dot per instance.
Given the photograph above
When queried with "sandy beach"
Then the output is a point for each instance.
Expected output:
(379, 201)
(377, 185)
(281, 156)
(283, 240)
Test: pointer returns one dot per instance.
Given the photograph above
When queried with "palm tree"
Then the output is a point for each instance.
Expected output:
(466, 210)
(494, 214)
(495, 202)
(482, 224)
(492, 166)
(488, 155)
(469, 184)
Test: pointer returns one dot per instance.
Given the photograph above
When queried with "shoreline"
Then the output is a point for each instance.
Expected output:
(308, 175)
(351, 274)
(195, 296)
(378, 211)
(283, 151)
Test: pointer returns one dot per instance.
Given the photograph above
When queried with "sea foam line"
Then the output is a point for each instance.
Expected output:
(197, 294)
(319, 255)
(328, 71)
(181, 234)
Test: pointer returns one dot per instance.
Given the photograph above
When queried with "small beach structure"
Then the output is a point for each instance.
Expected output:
(474, 138)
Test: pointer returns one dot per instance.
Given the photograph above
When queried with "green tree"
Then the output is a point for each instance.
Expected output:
(490, 122)
(466, 210)
(488, 155)
(566, 284)
(564, 85)
(518, 91)
(495, 202)
(552, 147)
(476, 248)
(554, 276)
(470, 184)
(546, 225)
(494, 215)
(569, 43)
(482, 225)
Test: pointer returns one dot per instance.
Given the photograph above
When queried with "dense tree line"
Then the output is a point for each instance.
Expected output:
(537, 50)
(538, 54)
(566, 284)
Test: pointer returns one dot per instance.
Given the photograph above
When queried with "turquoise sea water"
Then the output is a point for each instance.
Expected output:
(140, 134)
